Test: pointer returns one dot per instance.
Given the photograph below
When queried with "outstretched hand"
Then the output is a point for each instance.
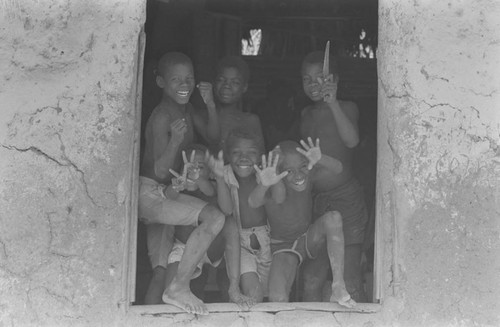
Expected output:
(268, 175)
(216, 165)
(311, 151)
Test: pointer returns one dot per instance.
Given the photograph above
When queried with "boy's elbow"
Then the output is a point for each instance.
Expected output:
(254, 203)
(352, 143)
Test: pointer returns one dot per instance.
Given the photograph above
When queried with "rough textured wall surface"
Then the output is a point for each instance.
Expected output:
(67, 97)
(439, 157)
(66, 132)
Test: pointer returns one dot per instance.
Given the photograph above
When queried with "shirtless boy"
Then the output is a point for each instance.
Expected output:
(228, 241)
(231, 83)
(294, 237)
(243, 151)
(168, 131)
(334, 122)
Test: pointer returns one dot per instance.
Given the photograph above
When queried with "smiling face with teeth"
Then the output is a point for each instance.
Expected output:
(243, 155)
(177, 82)
(298, 173)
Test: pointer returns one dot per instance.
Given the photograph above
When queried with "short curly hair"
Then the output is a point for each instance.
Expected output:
(235, 62)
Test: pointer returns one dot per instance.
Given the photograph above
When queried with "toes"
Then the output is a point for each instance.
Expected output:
(347, 302)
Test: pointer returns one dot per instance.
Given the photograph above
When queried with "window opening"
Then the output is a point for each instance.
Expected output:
(208, 31)
(251, 44)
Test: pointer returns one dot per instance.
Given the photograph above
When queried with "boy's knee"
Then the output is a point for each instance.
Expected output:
(332, 219)
(213, 218)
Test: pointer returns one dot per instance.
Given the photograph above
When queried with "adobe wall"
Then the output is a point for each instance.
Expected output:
(439, 158)
(67, 95)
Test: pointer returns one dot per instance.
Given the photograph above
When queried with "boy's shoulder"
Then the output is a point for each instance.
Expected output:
(160, 114)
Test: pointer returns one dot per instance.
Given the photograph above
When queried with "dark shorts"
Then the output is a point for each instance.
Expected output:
(298, 247)
(348, 199)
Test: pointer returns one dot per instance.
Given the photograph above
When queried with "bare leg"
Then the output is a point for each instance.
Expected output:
(160, 240)
(329, 227)
(178, 292)
(282, 276)
(352, 272)
(251, 286)
(155, 288)
(315, 273)
(232, 251)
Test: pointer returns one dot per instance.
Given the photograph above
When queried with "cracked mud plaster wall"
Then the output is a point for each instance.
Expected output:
(439, 158)
(66, 129)
(67, 98)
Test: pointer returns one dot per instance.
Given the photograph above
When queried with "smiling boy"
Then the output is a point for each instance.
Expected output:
(295, 238)
(335, 123)
(169, 130)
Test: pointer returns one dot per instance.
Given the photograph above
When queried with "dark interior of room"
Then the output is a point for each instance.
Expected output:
(207, 30)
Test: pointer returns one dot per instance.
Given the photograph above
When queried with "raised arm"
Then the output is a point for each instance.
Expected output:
(346, 118)
(223, 192)
(208, 127)
(166, 147)
(268, 178)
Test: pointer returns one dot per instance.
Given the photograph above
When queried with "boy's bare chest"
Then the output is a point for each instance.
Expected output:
(231, 120)
(318, 124)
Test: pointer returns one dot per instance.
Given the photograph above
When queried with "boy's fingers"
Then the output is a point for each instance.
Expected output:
(311, 143)
(283, 174)
(317, 142)
(257, 169)
(301, 151)
(192, 156)
(221, 155)
(184, 157)
(304, 144)
(263, 161)
(173, 172)
(276, 159)
(270, 159)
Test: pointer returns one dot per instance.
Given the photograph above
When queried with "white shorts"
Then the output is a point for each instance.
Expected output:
(258, 261)
(155, 207)
(178, 251)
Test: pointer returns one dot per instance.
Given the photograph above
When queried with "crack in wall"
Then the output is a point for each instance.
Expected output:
(68, 163)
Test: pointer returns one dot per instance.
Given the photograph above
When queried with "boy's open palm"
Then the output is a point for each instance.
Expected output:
(267, 175)
(216, 164)
(311, 151)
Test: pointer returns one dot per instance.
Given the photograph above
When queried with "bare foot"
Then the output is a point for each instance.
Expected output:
(185, 300)
(241, 300)
(340, 295)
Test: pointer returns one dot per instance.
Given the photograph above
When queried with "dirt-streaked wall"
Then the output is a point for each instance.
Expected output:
(67, 97)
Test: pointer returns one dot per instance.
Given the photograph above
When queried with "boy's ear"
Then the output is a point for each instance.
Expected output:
(160, 82)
